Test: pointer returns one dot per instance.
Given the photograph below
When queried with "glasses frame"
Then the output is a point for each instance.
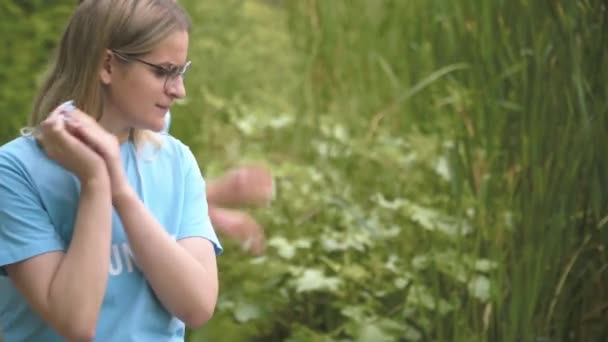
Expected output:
(168, 73)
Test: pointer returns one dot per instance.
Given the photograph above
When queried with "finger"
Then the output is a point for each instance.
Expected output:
(52, 122)
(58, 140)
(61, 110)
(62, 136)
(71, 145)
(82, 117)
(66, 107)
(233, 223)
(239, 226)
(50, 128)
(86, 134)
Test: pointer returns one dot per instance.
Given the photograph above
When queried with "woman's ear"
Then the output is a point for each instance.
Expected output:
(105, 71)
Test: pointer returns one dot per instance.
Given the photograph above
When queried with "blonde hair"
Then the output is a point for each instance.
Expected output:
(130, 27)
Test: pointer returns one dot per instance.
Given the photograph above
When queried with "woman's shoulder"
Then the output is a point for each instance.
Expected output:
(21, 151)
(173, 146)
(25, 165)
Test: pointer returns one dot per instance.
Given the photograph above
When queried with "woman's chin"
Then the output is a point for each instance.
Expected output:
(155, 126)
(150, 128)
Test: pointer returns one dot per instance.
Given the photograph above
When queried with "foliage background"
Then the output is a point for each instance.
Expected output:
(440, 165)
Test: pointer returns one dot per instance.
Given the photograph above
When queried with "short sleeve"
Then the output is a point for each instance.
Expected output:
(195, 218)
(25, 226)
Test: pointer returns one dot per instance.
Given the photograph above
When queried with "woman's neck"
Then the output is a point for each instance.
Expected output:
(117, 128)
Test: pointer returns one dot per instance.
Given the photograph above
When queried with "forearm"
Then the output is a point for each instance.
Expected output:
(183, 284)
(76, 292)
(251, 185)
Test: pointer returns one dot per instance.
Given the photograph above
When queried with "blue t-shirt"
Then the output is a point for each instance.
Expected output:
(38, 203)
(167, 122)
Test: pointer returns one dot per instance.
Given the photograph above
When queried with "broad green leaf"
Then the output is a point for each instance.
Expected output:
(355, 272)
(316, 280)
(372, 332)
(420, 296)
(244, 312)
(479, 287)
(281, 121)
(356, 313)
(485, 265)
(395, 204)
(421, 262)
(443, 169)
(285, 249)
(401, 282)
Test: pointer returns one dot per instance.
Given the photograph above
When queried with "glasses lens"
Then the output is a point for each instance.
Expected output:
(185, 69)
(176, 72)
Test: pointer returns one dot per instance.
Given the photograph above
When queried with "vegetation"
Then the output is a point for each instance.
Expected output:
(440, 165)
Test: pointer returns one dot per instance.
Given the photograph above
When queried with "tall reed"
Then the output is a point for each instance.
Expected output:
(516, 89)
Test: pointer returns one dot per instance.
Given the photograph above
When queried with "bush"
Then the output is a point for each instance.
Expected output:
(31, 30)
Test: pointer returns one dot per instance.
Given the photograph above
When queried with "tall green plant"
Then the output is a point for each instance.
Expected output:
(518, 85)
(536, 126)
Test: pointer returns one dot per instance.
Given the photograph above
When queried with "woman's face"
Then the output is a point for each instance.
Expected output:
(139, 93)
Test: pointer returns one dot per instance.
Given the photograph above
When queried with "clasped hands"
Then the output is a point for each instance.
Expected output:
(78, 143)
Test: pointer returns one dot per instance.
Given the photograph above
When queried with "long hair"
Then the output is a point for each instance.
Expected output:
(130, 27)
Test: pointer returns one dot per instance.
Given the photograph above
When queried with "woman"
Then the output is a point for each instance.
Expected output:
(98, 184)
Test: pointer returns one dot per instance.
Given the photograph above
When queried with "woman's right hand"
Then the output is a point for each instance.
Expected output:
(251, 185)
(69, 151)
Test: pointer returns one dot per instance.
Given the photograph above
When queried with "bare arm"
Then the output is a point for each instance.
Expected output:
(182, 273)
(67, 289)
(243, 186)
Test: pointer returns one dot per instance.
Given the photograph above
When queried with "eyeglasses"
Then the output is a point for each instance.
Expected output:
(168, 73)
